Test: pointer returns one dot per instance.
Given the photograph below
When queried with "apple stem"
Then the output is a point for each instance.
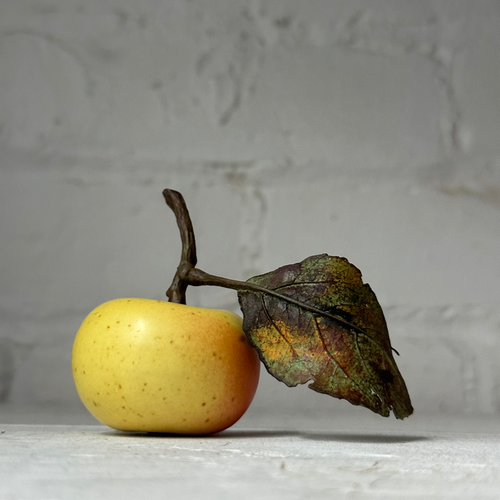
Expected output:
(188, 274)
(177, 291)
(197, 277)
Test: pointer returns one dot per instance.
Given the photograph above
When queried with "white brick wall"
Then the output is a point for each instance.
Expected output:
(363, 128)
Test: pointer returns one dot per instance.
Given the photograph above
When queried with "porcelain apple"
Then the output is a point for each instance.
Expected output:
(150, 365)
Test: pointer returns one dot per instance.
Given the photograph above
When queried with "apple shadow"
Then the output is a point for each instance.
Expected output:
(240, 434)
(255, 433)
(226, 434)
(364, 438)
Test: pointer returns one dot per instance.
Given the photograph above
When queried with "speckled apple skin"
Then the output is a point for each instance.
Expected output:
(156, 366)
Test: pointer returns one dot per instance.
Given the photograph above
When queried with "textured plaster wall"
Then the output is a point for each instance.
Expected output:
(363, 128)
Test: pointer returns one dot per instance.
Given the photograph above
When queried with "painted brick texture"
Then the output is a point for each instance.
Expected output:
(363, 128)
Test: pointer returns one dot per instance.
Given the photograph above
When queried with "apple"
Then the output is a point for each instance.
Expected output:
(156, 366)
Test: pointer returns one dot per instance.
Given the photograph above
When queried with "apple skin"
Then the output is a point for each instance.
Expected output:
(156, 366)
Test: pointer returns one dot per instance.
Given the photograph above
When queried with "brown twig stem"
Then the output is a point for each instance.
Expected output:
(188, 274)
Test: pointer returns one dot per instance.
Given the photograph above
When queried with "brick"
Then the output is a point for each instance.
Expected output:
(69, 245)
(414, 245)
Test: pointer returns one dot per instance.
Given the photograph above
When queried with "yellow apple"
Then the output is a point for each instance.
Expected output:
(150, 365)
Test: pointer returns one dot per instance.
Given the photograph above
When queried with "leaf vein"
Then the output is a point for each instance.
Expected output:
(330, 355)
(269, 317)
(368, 369)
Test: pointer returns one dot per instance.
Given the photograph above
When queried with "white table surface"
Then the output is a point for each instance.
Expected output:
(262, 457)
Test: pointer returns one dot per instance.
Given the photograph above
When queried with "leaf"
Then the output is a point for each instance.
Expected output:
(320, 323)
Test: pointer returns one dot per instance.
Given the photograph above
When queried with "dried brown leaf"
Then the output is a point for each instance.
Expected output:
(320, 323)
